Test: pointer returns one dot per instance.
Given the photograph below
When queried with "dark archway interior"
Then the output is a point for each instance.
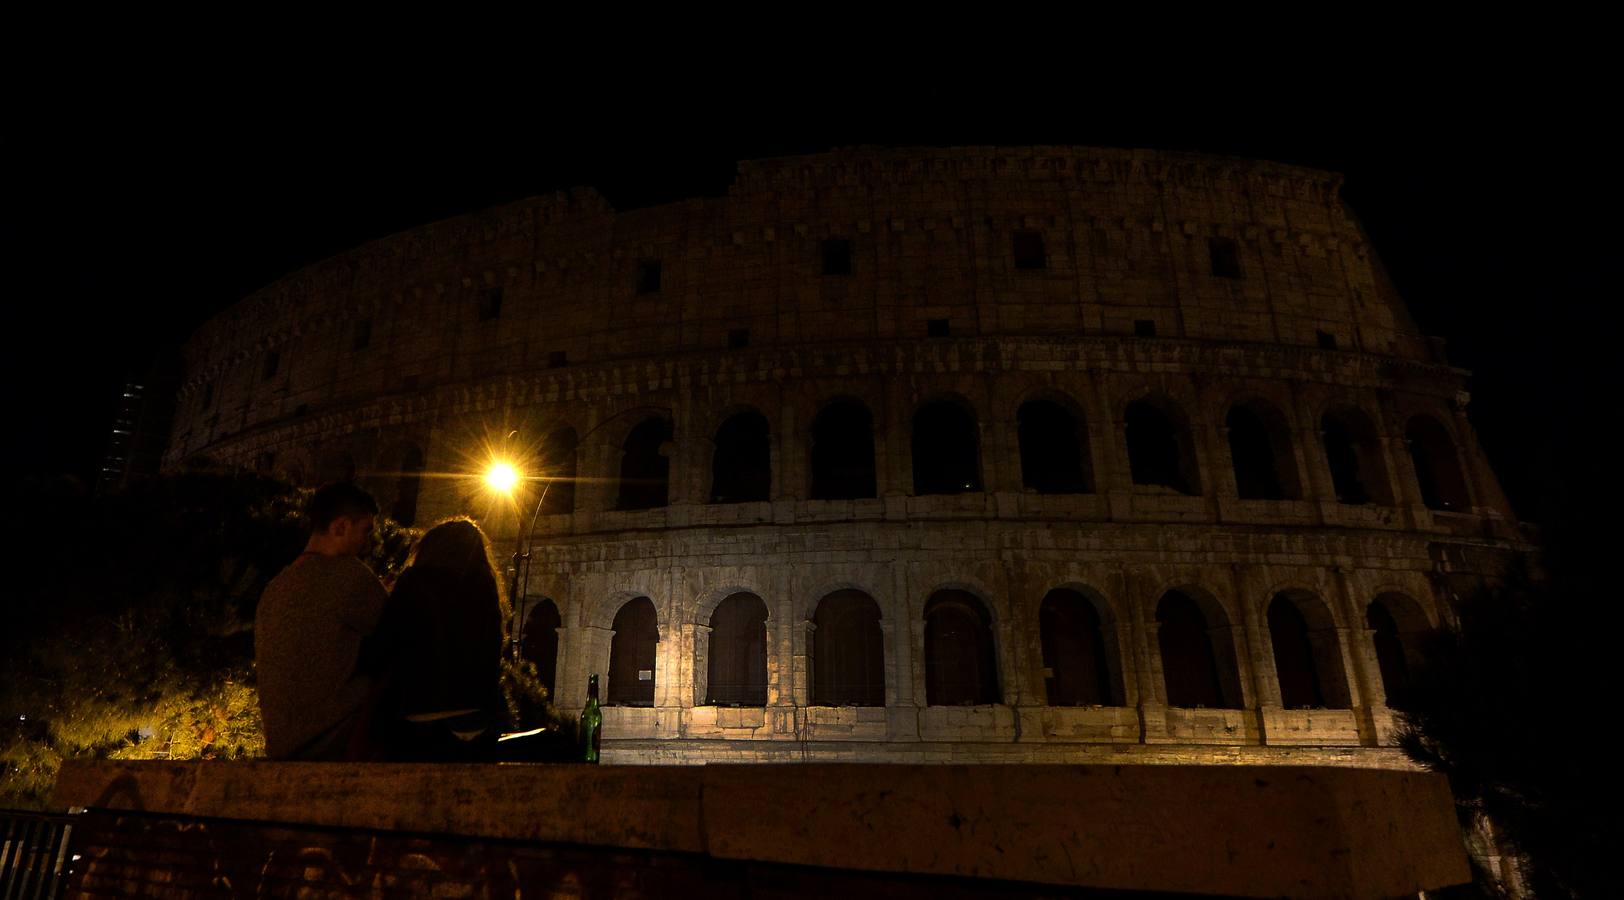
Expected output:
(843, 452)
(539, 643)
(1437, 467)
(946, 452)
(960, 667)
(1189, 667)
(738, 652)
(741, 467)
(1054, 449)
(1074, 652)
(645, 472)
(1252, 447)
(632, 654)
(1354, 457)
(559, 462)
(848, 651)
(1157, 454)
(1390, 656)
(1293, 657)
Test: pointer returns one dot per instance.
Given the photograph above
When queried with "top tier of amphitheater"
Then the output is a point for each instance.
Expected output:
(851, 246)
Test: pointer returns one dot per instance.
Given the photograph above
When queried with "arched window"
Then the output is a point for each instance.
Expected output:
(558, 462)
(1159, 451)
(1054, 449)
(1078, 667)
(1354, 456)
(539, 640)
(848, 651)
(407, 485)
(738, 653)
(741, 468)
(1396, 623)
(1192, 650)
(1307, 656)
(631, 654)
(645, 471)
(946, 453)
(1437, 467)
(960, 667)
(1260, 446)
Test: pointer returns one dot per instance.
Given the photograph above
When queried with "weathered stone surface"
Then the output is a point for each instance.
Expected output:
(1129, 303)
(1240, 830)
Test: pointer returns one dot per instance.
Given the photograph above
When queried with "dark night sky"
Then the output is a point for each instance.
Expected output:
(129, 221)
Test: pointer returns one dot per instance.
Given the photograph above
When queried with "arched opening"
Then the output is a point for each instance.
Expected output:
(1260, 447)
(848, 651)
(1198, 666)
(960, 666)
(407, 485)
(741, 467)
(632, 654)
(1396, 624)
(1054, 449)
(1307, 655)
(538, 643)
(1437, 466)
(1353, 454)
(1159, 450)
(645, 471)
(843, 452)
(737, 671)
(946, 450)
(1079, 668)
(559, 462)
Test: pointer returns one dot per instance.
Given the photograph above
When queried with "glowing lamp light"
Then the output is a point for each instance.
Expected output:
(502, 477)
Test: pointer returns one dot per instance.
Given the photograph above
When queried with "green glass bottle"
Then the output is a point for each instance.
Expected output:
(591, 722)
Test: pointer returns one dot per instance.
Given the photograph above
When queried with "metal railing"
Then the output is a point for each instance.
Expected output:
(33, 854)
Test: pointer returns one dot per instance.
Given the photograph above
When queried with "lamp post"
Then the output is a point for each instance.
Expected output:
(504, 478)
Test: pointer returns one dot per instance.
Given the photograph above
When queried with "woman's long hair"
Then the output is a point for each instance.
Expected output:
(459, 548)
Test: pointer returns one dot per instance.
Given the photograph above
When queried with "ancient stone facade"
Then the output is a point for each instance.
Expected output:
(979, 454)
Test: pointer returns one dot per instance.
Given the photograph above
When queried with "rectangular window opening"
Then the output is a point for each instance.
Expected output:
(1327, 340)
(648, 276)
(363, 335)
(1224, 256)
(1029, 253)
(558, 359)
(738, 338)
(490, 304)
(837, 256)
(1144, 328)
(273, 362)
(937, 328)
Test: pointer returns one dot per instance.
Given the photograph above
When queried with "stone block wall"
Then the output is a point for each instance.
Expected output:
(489, 332)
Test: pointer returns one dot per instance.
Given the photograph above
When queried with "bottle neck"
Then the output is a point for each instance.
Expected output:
(592, 688)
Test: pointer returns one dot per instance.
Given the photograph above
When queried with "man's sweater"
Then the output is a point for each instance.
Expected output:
(312, 619)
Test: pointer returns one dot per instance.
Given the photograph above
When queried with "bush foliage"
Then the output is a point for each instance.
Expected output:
(130, 630)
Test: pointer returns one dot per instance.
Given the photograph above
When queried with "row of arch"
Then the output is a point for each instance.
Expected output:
(1082, 652)
(1054, 454)
(946, 454)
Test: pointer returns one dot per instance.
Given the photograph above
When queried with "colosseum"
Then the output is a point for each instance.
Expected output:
(970, 455)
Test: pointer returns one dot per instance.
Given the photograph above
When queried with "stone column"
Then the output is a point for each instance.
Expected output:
(1359, 658)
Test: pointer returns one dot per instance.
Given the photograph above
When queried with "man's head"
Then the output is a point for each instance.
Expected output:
(341, 519)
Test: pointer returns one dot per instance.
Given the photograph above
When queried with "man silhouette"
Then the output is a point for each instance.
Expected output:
(312, 619)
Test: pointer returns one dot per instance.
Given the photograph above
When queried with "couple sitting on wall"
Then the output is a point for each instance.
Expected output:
(350, 672)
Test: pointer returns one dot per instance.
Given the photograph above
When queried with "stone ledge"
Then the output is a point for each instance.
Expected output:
(1238, 830)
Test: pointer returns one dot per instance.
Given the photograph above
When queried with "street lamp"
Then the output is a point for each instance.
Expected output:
(503, 477)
